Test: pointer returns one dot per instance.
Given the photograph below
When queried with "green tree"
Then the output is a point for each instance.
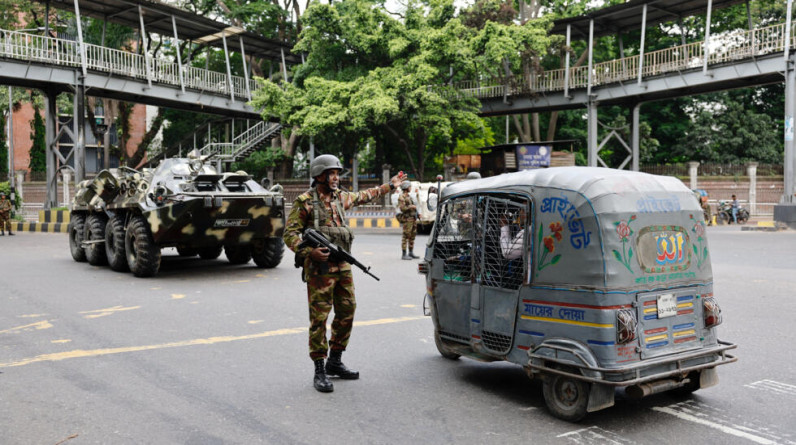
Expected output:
(368, 74)
(38, 151)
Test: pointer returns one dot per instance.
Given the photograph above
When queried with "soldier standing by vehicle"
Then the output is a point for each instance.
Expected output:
(5, 214)
(408, 221)
(329, 284)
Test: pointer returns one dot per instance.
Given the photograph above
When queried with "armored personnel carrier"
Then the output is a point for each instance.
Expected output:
(124, 217)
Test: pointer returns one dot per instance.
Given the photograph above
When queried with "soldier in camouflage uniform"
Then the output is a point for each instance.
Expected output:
(329, 285)
(5, 214)
(408, 222)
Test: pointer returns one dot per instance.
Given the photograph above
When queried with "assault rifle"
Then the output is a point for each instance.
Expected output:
(313, 238)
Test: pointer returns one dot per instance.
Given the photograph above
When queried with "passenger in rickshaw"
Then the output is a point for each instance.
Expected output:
(511, 246)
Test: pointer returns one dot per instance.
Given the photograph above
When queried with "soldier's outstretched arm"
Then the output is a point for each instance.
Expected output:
(350, 199)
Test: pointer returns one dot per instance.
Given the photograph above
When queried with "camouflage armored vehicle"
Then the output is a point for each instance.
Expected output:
(124, 217)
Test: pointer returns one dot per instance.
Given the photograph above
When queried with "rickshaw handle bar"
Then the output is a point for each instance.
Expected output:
(724, 359)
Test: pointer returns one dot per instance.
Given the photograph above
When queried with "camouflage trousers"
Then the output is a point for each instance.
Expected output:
(409, 234)
(5, 224)
(324, 292)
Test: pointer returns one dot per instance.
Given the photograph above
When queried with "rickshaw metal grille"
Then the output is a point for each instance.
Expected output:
(455, 337)
(495, 341)
(454, 240)
(501, 262)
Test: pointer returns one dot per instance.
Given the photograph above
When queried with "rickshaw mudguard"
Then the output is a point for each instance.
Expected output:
(564, 350)
(581, 357)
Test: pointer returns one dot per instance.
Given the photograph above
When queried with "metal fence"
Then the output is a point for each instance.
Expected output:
(729, 170)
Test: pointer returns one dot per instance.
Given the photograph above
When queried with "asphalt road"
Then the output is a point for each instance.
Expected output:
(210, 353)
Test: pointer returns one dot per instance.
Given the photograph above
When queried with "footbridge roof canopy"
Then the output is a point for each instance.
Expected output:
(627, 16)
(190, 26)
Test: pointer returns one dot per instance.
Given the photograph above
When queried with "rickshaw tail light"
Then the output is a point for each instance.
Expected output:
(625, 326)
(422, 268)
(711, 312)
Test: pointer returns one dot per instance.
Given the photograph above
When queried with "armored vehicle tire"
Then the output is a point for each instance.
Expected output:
(114, 244)
(76, 228)
(238, 254)
(565, 397)
(210, 253)
(95, 231)
(267, 253)
(186, 251)
(443, 350)
(143, 256)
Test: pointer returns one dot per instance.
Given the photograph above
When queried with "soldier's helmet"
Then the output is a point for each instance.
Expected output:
(473, 175)
(3, 194)
(405, 185)
(322, 163)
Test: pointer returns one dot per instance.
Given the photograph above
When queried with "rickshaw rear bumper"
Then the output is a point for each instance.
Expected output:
(677, 365)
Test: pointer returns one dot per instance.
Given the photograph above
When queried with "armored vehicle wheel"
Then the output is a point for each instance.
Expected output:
(210, 253)
(267, 253)
(143, 256)
(95, 231)
(114, 244)
(443, 350)
(186, 251)
(238, 254)
(565, 397)
(76, 228)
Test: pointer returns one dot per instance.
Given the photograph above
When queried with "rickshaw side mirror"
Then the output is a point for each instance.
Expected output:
(433, 200)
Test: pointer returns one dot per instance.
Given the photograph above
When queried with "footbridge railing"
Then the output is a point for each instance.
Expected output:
(64, 52)
(723, 49)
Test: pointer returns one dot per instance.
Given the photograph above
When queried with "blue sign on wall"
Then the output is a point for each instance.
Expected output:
(533, 156)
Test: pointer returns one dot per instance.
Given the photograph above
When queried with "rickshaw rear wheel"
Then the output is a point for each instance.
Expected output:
(444, 350)
(565, 397)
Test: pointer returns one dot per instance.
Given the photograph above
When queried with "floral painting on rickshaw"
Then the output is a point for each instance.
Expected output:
(624, 231)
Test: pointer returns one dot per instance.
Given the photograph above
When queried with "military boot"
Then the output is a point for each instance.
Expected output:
(412, 254)
(321, 380)
(405, 256)
(335, 366)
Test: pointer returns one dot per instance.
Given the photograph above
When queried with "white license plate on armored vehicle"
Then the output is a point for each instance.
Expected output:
(667, 305)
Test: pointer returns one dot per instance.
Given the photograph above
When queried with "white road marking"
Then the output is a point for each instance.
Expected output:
(773, 386)
(695, 412)
(594, 435)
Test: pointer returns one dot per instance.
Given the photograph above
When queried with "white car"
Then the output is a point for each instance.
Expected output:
(421, 195)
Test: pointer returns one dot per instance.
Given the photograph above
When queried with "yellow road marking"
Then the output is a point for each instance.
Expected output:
(81, 353)
(61, 341)
(177, 296)
(32, 316)
(39, 325)
(256, 321)
(109, 311)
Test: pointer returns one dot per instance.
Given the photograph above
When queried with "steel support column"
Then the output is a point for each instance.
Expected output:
(80, 38)
(50, 117)
(591, 123)
(706, 49)
(229, 71)
(566, 72)
(79, 132)
(145, 44)
(635, 131)
(179, 57)
(790, 110)
(245, 69)
(641, 47)
(590, 76)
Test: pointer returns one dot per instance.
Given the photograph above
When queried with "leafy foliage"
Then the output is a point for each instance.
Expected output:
(367, 75)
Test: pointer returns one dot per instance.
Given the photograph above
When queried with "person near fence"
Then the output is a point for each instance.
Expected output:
(735, 206)
(330, 285)
(408, 219)
(5, 214)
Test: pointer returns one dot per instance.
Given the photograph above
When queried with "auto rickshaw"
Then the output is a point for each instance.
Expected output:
(591, 279)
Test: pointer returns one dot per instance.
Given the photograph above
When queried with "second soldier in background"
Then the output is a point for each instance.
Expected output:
(408, 222)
